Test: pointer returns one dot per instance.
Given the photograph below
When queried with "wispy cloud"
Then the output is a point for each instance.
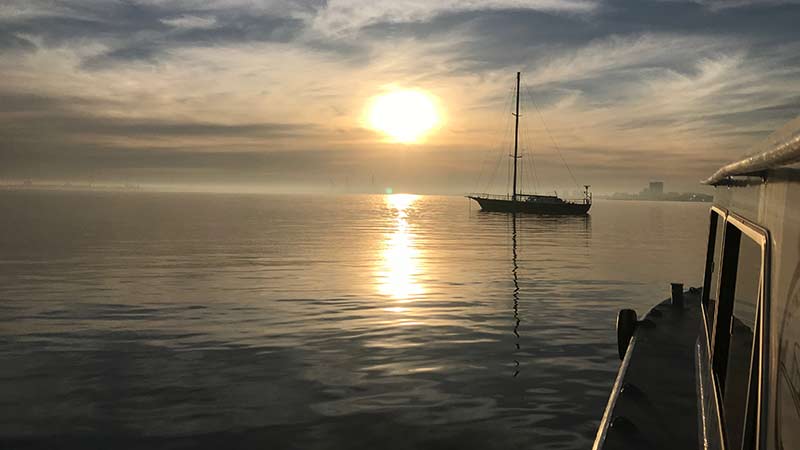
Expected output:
(342, 16)
(620, 82)
(190, 21)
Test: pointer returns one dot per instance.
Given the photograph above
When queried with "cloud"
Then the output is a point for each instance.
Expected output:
(190, 21)
(13, 42)
(725, 4)
(618, 81)
(343, 16)
(142, 31)
(30, 119)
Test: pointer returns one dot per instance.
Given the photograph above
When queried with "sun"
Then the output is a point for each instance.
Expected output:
(405, 116)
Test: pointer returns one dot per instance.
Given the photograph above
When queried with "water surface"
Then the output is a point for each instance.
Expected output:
(149, 320)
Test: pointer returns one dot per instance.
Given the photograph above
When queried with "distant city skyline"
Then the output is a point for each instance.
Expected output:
(276, 95)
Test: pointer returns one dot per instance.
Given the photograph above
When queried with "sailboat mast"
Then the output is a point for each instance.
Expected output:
(516, 142)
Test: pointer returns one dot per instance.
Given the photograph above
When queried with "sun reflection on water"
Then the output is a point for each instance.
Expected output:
(400, 268)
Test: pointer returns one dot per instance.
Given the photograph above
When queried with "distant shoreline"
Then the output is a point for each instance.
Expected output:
(656, 200)
(690, 197)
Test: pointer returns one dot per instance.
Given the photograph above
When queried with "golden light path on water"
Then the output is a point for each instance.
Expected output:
(400, 267)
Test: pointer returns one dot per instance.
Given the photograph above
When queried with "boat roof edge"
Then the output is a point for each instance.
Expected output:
(781, 148)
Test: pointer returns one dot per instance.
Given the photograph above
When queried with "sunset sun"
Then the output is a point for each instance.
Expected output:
(405, 116)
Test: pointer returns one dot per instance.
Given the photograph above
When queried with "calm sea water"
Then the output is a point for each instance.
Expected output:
(144, 320)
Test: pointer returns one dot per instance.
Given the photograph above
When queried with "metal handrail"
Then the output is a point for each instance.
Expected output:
(509, 197)
(605, 422)
(780, 148)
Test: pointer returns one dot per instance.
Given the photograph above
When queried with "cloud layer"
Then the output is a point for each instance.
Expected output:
(272, 93)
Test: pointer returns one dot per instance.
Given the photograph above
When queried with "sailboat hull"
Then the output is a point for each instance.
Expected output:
(510, 206)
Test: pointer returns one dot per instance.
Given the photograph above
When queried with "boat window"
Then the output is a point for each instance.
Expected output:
(735, 330)
(713, 265)
(740, 350)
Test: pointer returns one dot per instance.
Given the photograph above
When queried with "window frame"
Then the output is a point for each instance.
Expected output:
(715, 215)
(755, 421)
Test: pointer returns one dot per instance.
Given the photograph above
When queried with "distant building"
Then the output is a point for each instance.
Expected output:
(654, 191)
(656, 188)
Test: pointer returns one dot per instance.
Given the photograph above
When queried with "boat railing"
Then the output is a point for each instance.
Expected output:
(781, 148)
(522, 197)
(489, 196)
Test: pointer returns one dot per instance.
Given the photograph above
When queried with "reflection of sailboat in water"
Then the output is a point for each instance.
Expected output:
(515, 295)
(579, 228)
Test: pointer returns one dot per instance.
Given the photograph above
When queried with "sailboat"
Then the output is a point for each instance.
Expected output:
(519, 202)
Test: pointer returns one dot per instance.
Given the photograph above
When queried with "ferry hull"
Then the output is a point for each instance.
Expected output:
(508, 206)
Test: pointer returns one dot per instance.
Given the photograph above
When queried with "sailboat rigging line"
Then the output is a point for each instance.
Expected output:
(558, 149)
(484, 163)
(501, 149)
(532, 166)
(528, 136)
(507, 145)
(527, 153)
(531, 185)
(495, 166)
(508, 178)
(526, 170)
(506, 142)
(501, 157)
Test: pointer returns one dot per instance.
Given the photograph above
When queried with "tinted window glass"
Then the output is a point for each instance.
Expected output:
(740, 350)
(716, 264)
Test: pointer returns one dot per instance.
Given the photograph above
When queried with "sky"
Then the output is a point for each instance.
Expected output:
(272, 95)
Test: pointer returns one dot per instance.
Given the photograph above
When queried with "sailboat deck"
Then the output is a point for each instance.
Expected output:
(524, 198)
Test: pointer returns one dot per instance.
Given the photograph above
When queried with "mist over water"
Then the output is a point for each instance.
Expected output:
(314, 322)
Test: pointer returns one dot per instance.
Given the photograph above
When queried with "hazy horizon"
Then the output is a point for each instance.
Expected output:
(359, 187)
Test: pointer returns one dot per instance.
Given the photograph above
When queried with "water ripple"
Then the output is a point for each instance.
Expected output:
(191, 321)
